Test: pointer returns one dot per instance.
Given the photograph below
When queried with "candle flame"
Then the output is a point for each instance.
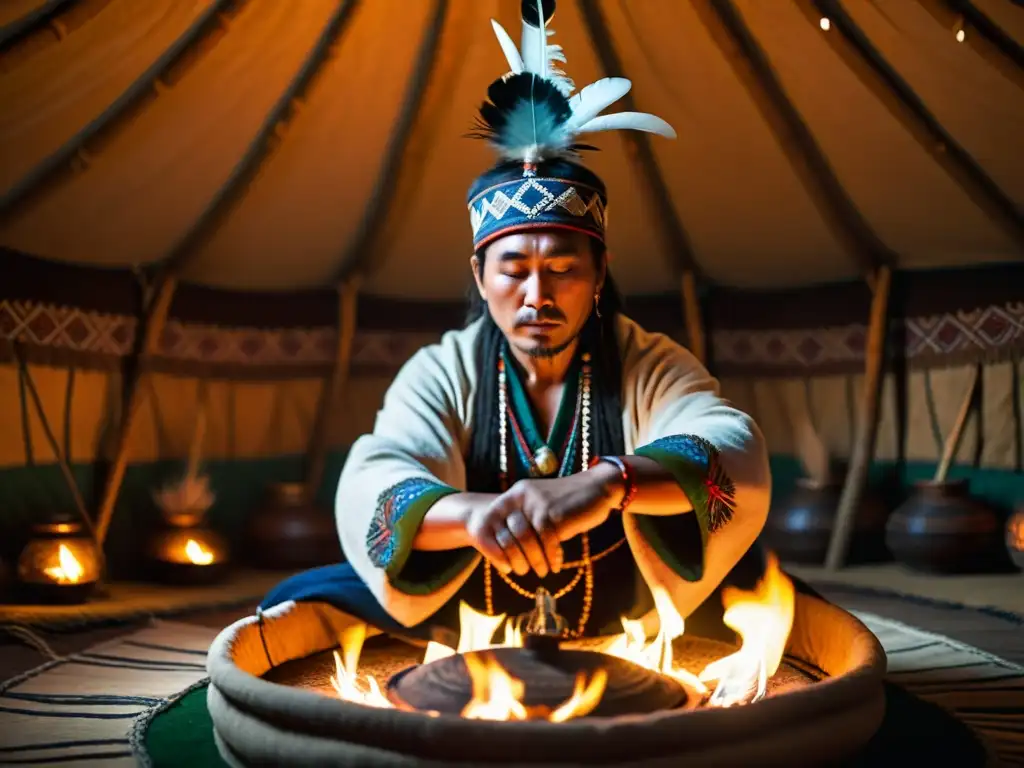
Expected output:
(68, 570)
(196, 554)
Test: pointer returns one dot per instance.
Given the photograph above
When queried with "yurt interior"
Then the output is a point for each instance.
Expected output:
(227, 225)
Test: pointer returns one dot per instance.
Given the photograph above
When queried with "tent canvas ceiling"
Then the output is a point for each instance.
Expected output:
(123, 121)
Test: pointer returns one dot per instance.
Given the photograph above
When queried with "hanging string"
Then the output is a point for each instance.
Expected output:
(69, 394)
(26, 424)
(29, 385)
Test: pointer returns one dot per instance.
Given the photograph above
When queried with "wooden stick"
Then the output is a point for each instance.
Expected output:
(810, 448)
(694, 322)
(335, 387)
(156, 318)
(195, 451)
(952, 443)
(867, 426)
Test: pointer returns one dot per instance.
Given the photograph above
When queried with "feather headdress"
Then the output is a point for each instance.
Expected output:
(531, 113)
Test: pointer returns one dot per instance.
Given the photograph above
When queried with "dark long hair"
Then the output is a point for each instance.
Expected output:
(598, 337)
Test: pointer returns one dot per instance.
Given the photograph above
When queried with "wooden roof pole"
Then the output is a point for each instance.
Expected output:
(856, 50)
(145, 83)
(367, 242)
(640, 153)
(995, 34)
(158, 307)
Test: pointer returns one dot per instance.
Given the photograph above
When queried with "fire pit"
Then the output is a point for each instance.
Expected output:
(803, 683)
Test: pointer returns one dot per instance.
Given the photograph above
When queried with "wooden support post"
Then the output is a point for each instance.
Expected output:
(156, 317)
(867, 425)
(334, 388)
(694, 324)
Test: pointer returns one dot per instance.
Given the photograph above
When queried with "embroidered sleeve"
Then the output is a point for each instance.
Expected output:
(680, 540)
(696, 465)
(396, 519)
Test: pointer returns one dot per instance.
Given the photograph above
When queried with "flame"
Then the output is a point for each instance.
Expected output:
(657, 655)
(763, 619)
(196, 554)
(1015, 531)
(68, 571)
(499, 696)
(346, 679)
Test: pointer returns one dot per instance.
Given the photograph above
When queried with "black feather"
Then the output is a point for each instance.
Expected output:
(509, 94)
(529, 11)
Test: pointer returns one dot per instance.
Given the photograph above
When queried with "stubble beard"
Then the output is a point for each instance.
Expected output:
(543, 353)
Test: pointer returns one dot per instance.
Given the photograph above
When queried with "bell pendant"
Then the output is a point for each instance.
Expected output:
(545, 461)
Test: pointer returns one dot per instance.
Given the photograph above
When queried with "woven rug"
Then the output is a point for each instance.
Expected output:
(141, 697)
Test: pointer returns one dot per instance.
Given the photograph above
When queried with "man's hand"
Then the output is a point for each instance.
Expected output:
(523, 529)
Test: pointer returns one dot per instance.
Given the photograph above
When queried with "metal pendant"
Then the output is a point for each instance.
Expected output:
(545, 461)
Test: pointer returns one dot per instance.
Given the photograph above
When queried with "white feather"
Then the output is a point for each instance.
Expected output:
(635, 121)
(543, 31)
(540, 58)
(508, 47)
(595, 98)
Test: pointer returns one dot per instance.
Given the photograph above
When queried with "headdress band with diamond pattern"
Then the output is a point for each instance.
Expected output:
(533, 119)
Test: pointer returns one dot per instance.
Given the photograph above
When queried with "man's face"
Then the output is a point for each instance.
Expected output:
(539, 287)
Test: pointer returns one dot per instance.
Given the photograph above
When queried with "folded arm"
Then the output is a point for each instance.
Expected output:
(400, 495)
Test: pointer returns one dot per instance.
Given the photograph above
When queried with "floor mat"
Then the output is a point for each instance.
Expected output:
(123, 601)
(84, 707)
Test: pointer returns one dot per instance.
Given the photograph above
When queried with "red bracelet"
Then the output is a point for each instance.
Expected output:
(628, 478)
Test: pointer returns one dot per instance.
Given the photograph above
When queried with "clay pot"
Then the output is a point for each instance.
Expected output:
(800, 524)
(942, 529)
(184, 550)
(288, 532)
(60, 563)
(5, 578)
(1015, 537)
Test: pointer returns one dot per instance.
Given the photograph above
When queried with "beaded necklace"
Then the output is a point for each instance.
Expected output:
(545, 464)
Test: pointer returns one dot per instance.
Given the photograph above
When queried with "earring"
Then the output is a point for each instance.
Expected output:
(597, 302)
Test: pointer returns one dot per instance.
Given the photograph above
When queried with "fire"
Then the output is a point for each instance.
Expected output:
(762, 618)
(499, 696)
(68, 570)
(346, 679)
(657, 655)
(196, 554)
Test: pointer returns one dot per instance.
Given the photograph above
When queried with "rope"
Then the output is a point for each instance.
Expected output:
(31, 639)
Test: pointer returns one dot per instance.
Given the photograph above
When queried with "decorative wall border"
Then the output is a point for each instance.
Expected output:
(63, 335)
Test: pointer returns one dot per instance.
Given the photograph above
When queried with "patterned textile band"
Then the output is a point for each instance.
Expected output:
(519, 196)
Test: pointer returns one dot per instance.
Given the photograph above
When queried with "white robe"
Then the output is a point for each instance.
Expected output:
(423, 431)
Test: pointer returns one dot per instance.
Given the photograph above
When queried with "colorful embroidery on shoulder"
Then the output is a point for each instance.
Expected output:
(392, 504)
(719, 486)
